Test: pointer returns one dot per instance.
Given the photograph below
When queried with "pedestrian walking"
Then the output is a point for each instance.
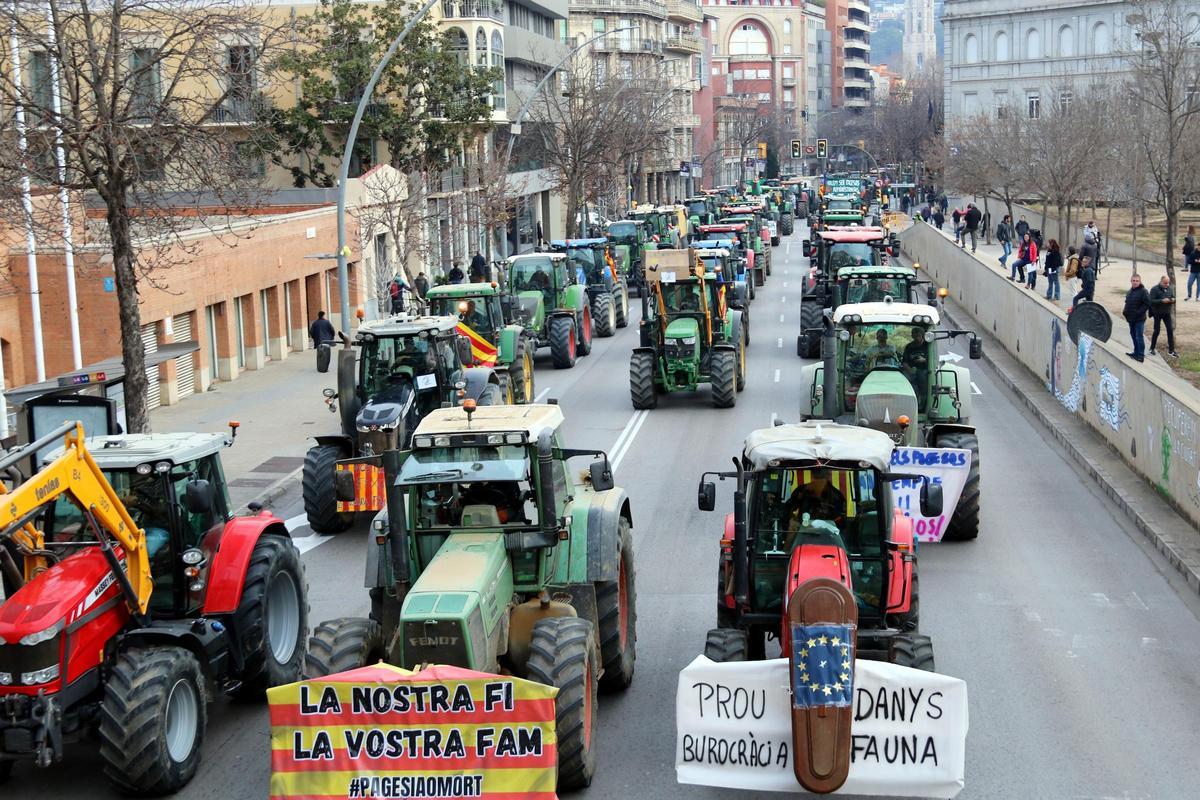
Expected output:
(1054, 262)
(1090, 249)
(1071, 271)
(1027, 254)
(1193, 265)
(1137, 304)
(1022, 228)
(971, 220)
(422, 284)
(1162, 298)
(939, 217)
(926, 213)
(1004, 235)
(455, 275)
(956, 218)
(478, 268)
(1087, 276)
(321, 330)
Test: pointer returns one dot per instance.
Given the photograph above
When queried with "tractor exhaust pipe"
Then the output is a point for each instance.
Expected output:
(741, 543)
(397, 532)
(545, 457)
(829, 398)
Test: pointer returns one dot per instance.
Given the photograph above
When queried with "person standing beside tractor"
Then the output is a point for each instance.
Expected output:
(455, 275)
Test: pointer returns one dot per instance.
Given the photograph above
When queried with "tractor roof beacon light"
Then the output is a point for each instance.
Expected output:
(469, 407)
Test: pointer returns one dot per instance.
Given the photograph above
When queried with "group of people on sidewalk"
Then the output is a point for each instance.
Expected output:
(1157, 304)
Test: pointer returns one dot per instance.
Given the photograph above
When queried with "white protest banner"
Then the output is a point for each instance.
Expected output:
(733, 729)
(945, 466)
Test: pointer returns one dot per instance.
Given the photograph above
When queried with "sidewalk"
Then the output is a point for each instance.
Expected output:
(279, 407)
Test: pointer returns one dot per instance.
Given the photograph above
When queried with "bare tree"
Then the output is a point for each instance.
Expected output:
(989, 156)
(142, 83)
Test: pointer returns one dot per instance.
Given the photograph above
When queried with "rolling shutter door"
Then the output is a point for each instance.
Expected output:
(150, 345)
(185, 365)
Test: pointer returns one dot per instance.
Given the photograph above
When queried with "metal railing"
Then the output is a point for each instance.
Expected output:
(473, 9)
(683, 41)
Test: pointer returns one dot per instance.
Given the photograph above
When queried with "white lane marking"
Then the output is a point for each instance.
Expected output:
(306, 543)
(625, 432)
(779, 343)
(785, 284)
(541, 394)
(787, 248)
(783, 298)
(975, 389)
(781, 317)
(638, 418)
(295, 522)
(777, 376)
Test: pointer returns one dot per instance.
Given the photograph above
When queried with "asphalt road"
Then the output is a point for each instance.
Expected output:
(1079, 651)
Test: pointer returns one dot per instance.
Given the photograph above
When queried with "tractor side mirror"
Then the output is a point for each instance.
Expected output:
(198, 497)
(343, 485)
(975, 350)
(931, 294)
(463, 346)
(931, 499)
(706, 497)
(602, 477)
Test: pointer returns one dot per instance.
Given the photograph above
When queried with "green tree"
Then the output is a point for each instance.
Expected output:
(429, 102)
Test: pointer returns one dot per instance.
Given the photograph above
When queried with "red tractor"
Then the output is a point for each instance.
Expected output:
(132, 596)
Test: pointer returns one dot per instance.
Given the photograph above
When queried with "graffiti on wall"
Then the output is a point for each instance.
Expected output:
(1108, 400)
(1178, 443)
(1071, 397)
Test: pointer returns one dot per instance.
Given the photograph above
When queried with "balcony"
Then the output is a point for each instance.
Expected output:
(855, 61)
(610, 44)
(856, 36)
(859, 5)
(852, 82)
(858, 25)
(473, 9)
(629, 7)
(788, 82)
(684, 43)
(236, 110)
(685, 120)
(684, 10)
(856, 102)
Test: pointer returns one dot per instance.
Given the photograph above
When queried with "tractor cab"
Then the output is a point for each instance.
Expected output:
(629, 239)
(725, 268)
(588, 260)
(536, 280)
(700, 210)
(478, 306)
(655, 223)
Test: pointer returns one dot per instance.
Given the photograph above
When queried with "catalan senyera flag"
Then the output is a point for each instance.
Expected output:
(370, 493)
(443, 732)
(483, 351)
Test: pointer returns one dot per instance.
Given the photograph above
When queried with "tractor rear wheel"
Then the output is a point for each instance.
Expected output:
(964, 523)
(616, 608)
(911, 620)
(320, 500)
(605, 314)
(727, 644)
(344, 644)
(641, 380)
(507, 392)
(741, 361)
(520, 371)
(621, 293)
(912, 650)
(562, 342)
(562, 653)
(808, 345)
(584, 335)
(724, 378)
(271, 622)
(152, 720)
(759, 275)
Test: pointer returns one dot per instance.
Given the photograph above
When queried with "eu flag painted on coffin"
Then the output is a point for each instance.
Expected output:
(822, 665)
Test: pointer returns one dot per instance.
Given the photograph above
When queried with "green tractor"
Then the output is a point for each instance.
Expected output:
(506, 347)
(592, 262)
(702, 210)
(548, 302)
(399, 369)
(781, 200)
(493, 555)
(758, 230)
(630, 239)
(692, 332)
(881, 370)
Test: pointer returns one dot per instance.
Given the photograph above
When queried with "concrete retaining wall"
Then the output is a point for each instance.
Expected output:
(1149, 416)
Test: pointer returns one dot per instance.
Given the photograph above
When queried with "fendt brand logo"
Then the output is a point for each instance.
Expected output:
(41, 491)
(433, 641)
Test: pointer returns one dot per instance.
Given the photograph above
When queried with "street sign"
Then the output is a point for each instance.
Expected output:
(878, 183)
(810, 150)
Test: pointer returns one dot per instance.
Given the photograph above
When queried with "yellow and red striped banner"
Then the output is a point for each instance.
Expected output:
(369, 490)
(382, 732)
(483, 351)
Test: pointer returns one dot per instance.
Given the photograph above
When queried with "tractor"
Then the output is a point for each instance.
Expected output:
(493, 555)
(691, 333)
(756, 218)
(719, 260)
(881, 370)
(816, 557)
(630, 239)
(840, 210)
(781, 201)
(506, 347)
(702, 210)
(551, 304)
(132, 597)
(398, 370)
(593, 263)
(737, 239)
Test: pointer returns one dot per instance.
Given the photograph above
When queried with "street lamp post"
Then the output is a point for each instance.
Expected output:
(344, 174)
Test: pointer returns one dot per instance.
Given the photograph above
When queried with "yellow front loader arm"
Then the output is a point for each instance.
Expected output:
(76, 475)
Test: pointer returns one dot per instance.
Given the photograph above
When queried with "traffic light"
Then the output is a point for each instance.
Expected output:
(797, 148)
(822, 148)
(762, 149)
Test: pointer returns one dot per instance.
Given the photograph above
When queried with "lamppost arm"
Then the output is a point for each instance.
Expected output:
(861, 150)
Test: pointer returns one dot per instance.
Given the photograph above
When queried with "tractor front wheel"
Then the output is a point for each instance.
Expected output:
(724, 378)
(605, 314)
(727, 644)
(584, 335)
(616, 608)
(320, 500)
(344, 644)
(271, 621)
(152, 720)
(808, 344)
(910, 620)
(562, 342)
(964, 523)
(912, 650)
(562, 653)
(741, 362)
(507, 393)
(520, 372)
(621, 293)
(641, 380)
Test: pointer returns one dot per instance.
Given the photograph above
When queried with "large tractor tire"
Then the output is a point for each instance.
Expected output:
(727, 644)
(912, 650)
(616, 608)
(344, 644)
(767, 259)
(740, 344)
(808, 345)
(563, 344)
(583, 334)
(507, 393)
(774, 243)
(152, 720)
(320, 501)
(964, 523)
(562, 653)
(271, 622)
(641, 380)
(909, 622)
(605, 314)
(621, 295)
(759, 274)
(520, 371)
(724, 378)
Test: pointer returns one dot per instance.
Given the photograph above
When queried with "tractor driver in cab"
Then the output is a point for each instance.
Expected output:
(915, 364)
(816, 506)
(470, 315)
(881, 354)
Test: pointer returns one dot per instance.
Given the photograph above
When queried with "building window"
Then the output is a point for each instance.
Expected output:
(1033, 43)
(626, 67)
(787, 27)
(39, 80)
(1033, 105)
(971, 49)
(1066, 42)
(789, 71)
(239, 73)
(481, 51)
(144, 79)
(1065, 98)
(1000, 102)
(788, 95)
(970, 104)
(459, 45)
(1101, 43)
(499, 101)
(787, 49)
(598, 25)
(738, 74)
(748, 40)
(1001, 47)
(764, 97)
(764, 74)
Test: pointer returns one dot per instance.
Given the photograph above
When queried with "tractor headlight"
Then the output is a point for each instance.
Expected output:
(495, 438)
(441, 441)
(844, 335)
(422, 441)
(42, 636)
(39, 676)
(514, 438)
(688, 340)
(5, 679)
